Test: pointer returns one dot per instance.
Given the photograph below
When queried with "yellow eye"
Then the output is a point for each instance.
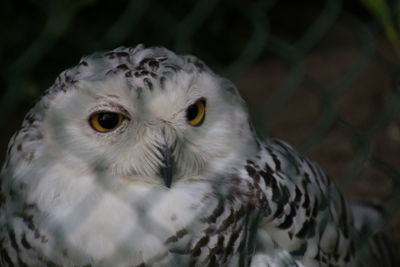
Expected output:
(196, 112)
(105, 121)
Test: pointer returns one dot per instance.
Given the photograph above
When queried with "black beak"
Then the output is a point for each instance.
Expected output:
(166, 170)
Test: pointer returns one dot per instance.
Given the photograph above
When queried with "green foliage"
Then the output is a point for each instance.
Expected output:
(390, 22)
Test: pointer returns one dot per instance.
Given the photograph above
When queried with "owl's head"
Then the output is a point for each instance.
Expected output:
(146, 115)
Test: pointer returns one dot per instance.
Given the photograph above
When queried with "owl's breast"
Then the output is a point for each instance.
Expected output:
(89, 222)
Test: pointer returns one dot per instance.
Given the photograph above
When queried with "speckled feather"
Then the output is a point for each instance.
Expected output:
(263, 204)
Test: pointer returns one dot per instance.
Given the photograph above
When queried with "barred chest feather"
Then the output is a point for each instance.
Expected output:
(277, 201)
(136, 226)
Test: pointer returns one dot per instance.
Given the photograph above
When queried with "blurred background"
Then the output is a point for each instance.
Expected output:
(321, 75)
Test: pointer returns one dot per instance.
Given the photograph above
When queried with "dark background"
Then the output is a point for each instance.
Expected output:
(321, 75)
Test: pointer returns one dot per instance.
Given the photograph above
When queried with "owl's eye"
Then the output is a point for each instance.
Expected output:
(196, 112)
(105, 121)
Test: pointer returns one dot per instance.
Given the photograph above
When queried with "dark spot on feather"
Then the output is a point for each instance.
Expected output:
(300, 251)
(5, 258)
(122, 67)
(25, 242)
(306, 203)
(315, 209)
(148, 83)
(200, 66)
(14, 243)
(219, 247)
(210, 230)
(241, 212)
(216, 213)
(181, 233)
(297, 195)
(213, 261)
(171, 239)
(122, 54)
(288, 220)
(202, 242)
(267, 177)
(250, 170)
(233, 238)
(153, 64)
(228, 221)
(68, 79)
(196, 252)
(304, 230)
(276, 195)
(144, 61)
(28, 220)
(162, 82)
(285, 194)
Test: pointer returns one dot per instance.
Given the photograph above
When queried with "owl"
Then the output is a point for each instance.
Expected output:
(141, 157)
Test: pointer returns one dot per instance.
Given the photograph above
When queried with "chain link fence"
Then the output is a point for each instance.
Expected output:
(322, 75)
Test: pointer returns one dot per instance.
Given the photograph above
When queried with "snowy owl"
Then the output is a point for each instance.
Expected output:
(141, 157)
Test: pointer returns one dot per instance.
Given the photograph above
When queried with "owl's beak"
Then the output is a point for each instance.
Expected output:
(167, 168)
